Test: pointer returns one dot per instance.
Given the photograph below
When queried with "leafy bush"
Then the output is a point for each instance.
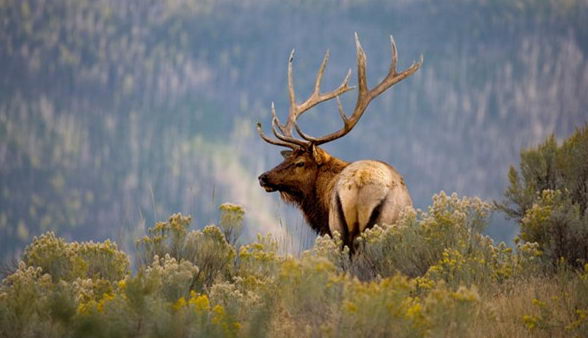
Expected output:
(69, 261)
(447, 233)
(431, 274)
(549, 198)
(207, 249)
(231, 221)
(443, 243)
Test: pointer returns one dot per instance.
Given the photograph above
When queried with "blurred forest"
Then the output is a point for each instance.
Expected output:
(115, 114)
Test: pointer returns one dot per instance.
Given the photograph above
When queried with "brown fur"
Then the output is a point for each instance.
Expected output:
(338, 196)
(308, 187)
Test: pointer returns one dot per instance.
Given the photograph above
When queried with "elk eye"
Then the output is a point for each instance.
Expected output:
(300, 164)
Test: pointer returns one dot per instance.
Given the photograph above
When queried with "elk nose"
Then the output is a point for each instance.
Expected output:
(262, 179)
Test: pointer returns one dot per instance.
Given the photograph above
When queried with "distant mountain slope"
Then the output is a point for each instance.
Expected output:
(116, 113)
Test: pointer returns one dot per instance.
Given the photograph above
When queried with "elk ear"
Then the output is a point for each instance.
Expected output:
(318, 155)
(286, 153)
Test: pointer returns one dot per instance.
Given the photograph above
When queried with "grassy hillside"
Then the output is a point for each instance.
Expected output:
(114, 114)
(432, 274)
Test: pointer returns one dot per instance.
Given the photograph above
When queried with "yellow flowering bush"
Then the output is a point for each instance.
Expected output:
(209, 250)
(431, 274)
(175, 279)
(330, 248)
(73, 260)
(20, 297)
(239, 298)
(260, 258)
(206, 249)
(443, 243)
(231, 221)
(381, 308)
(451, 313)
(164, 238)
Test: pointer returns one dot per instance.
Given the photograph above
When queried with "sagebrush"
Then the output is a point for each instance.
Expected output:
(432, 274)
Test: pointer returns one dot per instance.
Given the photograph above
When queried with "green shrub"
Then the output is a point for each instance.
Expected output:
(207, 249)
(549, 198)
(443, 243)
(431, 274)
(231, 221)
(21, 301)
(69, 261)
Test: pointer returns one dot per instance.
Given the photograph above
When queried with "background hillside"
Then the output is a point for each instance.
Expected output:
(115, 114)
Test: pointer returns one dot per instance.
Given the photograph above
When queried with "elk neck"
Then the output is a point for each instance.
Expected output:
(316, 205)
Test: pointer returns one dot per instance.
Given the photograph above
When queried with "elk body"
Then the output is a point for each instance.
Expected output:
(335, 195)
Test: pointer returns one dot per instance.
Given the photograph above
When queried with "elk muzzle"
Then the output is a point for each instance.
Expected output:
(264, 182)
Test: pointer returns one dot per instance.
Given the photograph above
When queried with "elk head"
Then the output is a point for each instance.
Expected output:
(308, 174)
(298, 167)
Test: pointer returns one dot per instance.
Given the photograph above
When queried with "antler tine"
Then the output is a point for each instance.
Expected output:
(393, 76)
(319, 74)
(287, 130)
(315, 98)
(275, 117)
(283, 132)
(365, 95)
(361, 61)
(272, 141)
(281, 139)
(303, 135)
(318, 140)
(286, 138)
(394, 53)
(341, 111)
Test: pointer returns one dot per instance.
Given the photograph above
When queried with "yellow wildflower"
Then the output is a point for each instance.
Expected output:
(122, 284)
(350, 307)
(424, 283)
(85, 308)
(200, 303)
(180, 303)
(219, 314)
(466, 295)
(537, 302)
(414, 311)
(105, 299)
(530, 321)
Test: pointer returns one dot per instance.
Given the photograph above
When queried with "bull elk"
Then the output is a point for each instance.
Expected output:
(335, 195)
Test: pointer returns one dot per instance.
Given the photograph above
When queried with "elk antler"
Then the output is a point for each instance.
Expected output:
(284, 131)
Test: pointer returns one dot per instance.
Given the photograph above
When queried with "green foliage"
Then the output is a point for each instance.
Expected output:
(207, 249)
(150, 92)
(231, 221)
(444, 243)
(450, 223)
(175, 278)
(69, 261)
(549, 198)
(431, 274)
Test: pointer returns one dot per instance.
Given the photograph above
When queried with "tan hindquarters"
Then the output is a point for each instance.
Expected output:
(362, 187)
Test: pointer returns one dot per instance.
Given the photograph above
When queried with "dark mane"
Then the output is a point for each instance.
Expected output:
(315, 206)
(316, 215)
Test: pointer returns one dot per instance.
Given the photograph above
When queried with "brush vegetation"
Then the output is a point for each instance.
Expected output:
(433, 273)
